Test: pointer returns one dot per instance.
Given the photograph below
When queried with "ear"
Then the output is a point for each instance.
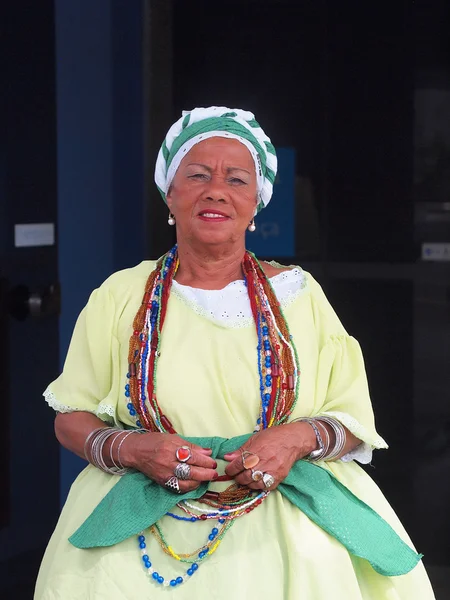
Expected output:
(169, 198)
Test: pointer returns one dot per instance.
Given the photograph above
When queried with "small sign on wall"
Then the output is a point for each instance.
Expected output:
(436, 252)
(34, 234)
(275, 225)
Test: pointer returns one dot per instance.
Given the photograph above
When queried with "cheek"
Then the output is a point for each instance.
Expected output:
(247, 202)
(181, 198)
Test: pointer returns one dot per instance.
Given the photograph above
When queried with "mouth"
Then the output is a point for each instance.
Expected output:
(212, 215)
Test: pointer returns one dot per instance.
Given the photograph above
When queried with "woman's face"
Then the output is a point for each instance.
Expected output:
(213, 193)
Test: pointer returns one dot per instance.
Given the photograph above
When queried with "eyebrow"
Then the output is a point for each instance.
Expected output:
(229, 169)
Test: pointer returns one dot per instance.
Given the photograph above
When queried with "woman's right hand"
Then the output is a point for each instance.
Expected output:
(154, 454)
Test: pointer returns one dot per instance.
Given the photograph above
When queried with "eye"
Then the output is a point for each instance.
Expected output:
(237, 181)
(199, 176)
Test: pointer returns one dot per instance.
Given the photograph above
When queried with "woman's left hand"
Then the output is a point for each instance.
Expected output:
(277, 448)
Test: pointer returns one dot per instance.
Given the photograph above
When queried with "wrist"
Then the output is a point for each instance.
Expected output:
(125, 450)
(305, 440)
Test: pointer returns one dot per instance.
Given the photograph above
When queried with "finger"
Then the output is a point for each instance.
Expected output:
(199, 449)
(253, 485)
(201, 460)
(201, 474)
(198, 456)
(231, 455)
(244, 478)
(193, 447)
(235, 467)
(188, 486)
(249, 459)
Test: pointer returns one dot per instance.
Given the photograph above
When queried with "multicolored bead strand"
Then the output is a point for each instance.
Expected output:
(279, 373)
(277, 360)
(155, 575)
(214, 540)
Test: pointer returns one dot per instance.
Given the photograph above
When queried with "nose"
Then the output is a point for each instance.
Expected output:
(216, 190)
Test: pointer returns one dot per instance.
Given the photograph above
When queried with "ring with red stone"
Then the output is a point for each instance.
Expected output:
(183, 453)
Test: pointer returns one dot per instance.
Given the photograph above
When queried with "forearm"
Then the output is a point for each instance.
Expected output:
(72, 430)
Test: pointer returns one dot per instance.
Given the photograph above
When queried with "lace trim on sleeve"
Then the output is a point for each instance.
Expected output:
(105, 412)
(363, 452)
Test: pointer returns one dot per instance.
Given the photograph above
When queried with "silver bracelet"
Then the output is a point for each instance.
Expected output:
(318, 454)
(87, 444)
(118, 464)
(115, 470)
(340, 435)
(326, 435)
(120, 446)
(97, 446)
(94, 446)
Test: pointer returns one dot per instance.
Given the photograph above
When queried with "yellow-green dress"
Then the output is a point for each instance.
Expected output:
(208, 385)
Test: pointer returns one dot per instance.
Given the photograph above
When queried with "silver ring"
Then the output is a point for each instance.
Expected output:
(182, 471)
(268, 480)
(172, 485)
(257, 475)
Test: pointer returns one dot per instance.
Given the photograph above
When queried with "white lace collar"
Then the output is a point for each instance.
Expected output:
(230, 306)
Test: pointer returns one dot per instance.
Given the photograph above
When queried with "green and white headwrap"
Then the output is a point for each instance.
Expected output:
(217, 121)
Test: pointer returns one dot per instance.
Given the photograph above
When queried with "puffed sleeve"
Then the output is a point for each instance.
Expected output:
(342, 389)
(87, 382)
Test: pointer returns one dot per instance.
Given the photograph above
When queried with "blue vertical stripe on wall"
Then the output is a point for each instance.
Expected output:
(100, 155)
(128, 133)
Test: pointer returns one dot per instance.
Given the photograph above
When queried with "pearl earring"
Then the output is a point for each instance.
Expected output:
(171, 219)
(252, 226)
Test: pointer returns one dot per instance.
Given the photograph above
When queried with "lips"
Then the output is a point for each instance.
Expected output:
(212, 214)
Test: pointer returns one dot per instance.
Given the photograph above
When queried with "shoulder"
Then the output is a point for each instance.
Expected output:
(281, 272)
(125, 277)
(123, 284)
(271, 269)
(311, 289)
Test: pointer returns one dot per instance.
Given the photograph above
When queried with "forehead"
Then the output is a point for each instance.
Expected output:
(218, 149)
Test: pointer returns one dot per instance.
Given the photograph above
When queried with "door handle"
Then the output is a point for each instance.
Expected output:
(23, 302)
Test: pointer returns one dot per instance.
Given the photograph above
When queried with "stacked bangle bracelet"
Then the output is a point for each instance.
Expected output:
(323, 451)
(340, 436)
(95, 443)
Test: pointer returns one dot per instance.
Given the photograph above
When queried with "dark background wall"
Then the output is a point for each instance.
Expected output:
(100, 153)
(88, 91)
(72, 138)
(336, 82)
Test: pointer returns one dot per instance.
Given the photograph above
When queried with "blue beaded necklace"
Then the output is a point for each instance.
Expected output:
(277, 361)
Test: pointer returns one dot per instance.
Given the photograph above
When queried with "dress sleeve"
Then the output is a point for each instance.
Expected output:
(87, 382)
(342, 387)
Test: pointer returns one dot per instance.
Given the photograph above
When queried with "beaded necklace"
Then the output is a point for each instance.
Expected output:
(279, 375)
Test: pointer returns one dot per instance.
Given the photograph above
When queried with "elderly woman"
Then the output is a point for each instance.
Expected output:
(251, 359)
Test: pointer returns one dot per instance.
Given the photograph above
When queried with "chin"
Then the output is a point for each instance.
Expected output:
(215, 238)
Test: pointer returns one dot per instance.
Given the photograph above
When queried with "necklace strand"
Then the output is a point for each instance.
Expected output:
(279, 376)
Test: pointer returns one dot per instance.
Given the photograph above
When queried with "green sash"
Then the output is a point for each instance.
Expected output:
(136, 502)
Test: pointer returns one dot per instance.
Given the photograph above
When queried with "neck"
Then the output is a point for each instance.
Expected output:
(209, 268)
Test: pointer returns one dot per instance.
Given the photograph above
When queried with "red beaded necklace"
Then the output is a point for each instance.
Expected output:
(277, 358)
